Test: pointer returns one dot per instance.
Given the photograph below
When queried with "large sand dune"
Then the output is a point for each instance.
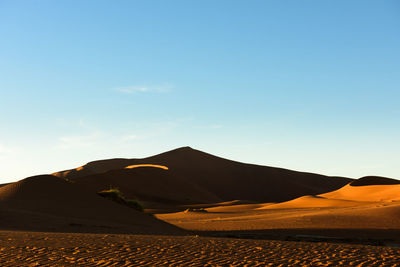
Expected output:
(192, 172)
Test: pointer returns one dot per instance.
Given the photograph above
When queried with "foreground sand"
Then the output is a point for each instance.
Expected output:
(59, 249)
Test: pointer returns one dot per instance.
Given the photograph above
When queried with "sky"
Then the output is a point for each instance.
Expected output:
(306, 85)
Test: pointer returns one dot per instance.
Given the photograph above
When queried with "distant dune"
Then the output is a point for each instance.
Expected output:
(369, 193)
(205, 177)
(374, 180)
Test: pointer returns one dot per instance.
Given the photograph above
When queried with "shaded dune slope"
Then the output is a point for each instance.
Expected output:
(49, 203)
(149, 184)
(225, 179)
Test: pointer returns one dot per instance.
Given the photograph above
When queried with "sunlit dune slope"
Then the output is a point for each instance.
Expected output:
(367, 193)
(146, 165)
(225, 179)
(373, 206)
(250, 218)
(47, 202)
(95, 167)
(359, 192)
(311, 202)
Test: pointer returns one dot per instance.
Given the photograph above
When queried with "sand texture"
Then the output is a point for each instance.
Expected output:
(56, 249)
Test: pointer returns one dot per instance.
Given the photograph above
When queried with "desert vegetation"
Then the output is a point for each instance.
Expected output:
(116, 195)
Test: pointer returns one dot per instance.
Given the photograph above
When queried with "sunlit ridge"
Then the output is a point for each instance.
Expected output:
(147, 165)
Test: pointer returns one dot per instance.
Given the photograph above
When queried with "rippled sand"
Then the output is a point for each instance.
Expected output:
(59, 249)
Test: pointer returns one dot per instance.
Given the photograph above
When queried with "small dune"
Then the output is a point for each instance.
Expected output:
(311, 202)
(374, 180)
(47, 202)
(366, 193)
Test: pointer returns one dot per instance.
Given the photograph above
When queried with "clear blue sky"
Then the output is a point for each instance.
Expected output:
(304, 85)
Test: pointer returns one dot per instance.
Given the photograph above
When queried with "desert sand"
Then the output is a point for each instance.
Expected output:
(60, 249)
(199, 210)
(352, 214)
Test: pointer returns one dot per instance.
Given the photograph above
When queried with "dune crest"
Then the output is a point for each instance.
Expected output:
(146, 165)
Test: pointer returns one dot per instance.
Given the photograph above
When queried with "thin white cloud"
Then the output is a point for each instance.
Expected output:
(144, 88)
(78, 141)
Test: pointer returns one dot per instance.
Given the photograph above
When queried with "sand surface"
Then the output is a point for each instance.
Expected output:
(59, 249)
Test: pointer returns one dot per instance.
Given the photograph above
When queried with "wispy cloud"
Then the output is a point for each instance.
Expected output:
(145, 88)
(78, 141)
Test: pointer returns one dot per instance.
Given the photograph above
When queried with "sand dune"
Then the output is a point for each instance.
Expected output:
(374, 180)
(369, 207)
(366, 193)
(47, 202)
(269, 198)
(223, 179)
(311, 202)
